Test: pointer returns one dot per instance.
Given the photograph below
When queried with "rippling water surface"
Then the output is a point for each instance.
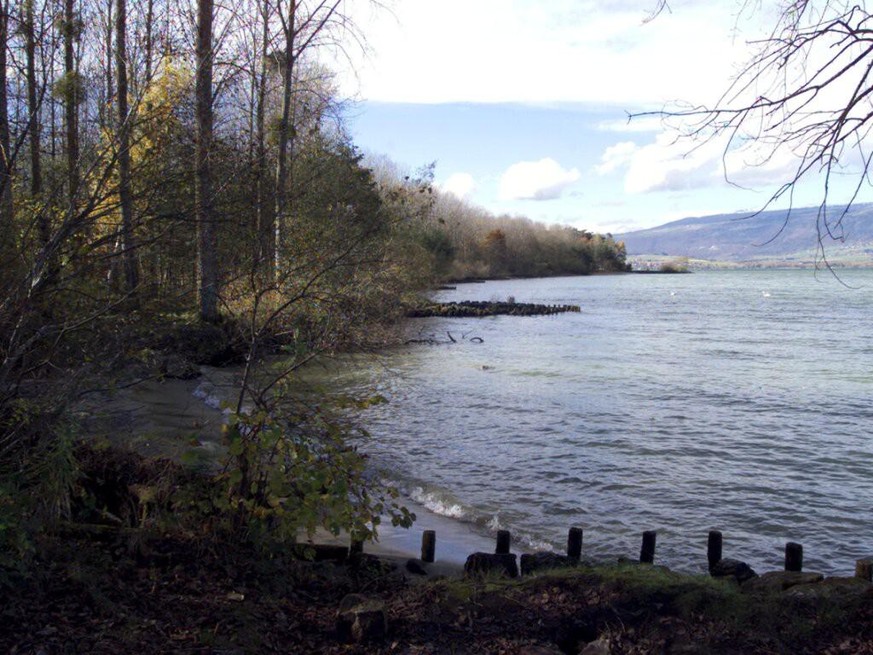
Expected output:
(736, 400)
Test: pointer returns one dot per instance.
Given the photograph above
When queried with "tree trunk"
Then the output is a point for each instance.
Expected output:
(131, 277)
(71, 103)
(149, 46)
(262, 212)
(286, 140)
(6, 208)
(33, 111)
(106, 107)
(207, 266)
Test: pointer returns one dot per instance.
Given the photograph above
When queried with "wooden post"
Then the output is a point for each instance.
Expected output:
(864, 569)
(428, 546)
(574, 543)
(793, 557)
(714, 548)
(647, 552)
(503, 541)
(357, 547)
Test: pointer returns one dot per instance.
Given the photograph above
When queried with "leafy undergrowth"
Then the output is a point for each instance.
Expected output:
(150, 585)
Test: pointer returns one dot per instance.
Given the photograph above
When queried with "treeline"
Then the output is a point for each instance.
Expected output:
(462, 241)
(182, 152)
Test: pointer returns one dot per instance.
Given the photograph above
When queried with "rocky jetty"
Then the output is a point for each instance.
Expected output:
(473, 308)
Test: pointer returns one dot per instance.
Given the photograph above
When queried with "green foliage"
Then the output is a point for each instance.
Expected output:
(69, 87)
(446, 238)
(675, 266)
(38, 472)
(297, 474)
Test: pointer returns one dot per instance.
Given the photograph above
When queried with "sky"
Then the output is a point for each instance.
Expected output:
(524, 105)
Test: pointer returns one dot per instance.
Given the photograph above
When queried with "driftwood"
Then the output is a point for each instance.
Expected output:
(432, 340)
(471, 308)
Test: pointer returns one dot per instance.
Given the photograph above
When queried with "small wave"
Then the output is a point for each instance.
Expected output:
(437, 504)
(205, 391)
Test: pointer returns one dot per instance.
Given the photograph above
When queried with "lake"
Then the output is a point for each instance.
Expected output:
(733, 400)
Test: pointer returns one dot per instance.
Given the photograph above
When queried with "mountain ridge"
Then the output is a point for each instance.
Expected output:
(773, 236)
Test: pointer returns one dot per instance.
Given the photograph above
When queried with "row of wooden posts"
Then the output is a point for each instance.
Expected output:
(793, 551)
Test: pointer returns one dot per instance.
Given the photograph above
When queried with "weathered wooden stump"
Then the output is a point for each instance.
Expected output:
(504, 539)
(793, 557)
(574, 543)
(428, 546)
(714, 548)
(647, 551)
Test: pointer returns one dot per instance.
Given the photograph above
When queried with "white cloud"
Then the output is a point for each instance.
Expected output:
(671, 164)
(545, 179)
(636, 124)
(460, 185)
(560, 51)
(617, 156)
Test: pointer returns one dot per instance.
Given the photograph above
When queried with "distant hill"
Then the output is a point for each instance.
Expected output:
(764, 238)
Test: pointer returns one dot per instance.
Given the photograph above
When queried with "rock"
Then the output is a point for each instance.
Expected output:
(834, 589)
(781, 580)
(599, 647)
(732, 568)
(532, 562)
(203, 343)
(416, 566)
(360, 619)
(486, 563)
(321, 552)
(176, 367)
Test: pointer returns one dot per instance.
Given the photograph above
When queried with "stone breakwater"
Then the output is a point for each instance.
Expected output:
(471, 308)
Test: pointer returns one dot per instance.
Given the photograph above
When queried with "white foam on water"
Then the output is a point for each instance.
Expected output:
(207, 392)
(437, 504)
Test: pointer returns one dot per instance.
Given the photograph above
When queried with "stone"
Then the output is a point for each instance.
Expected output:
(732, 568)
(781, 581)
(321, 552)
(599, 647)
(488, 563)
(835, 589)
(533, 562)
(360, 619)
(416, 567)
(177, 367)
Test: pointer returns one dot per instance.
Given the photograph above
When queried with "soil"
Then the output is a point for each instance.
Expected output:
(144, 581)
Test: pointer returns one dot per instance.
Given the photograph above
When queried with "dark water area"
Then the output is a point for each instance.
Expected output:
(737, 400)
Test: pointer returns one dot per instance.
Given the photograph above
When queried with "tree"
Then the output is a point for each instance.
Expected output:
(305, 26)
(34, 103)
(207, 258)
(131, 277)
(6, 208)
(70, 90)
(806, 96)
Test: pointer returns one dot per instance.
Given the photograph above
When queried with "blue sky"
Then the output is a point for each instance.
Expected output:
(524, 105)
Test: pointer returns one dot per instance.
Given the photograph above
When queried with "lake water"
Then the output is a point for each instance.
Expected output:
(736, 400)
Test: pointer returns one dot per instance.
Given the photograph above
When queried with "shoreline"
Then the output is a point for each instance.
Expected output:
(455, 541)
